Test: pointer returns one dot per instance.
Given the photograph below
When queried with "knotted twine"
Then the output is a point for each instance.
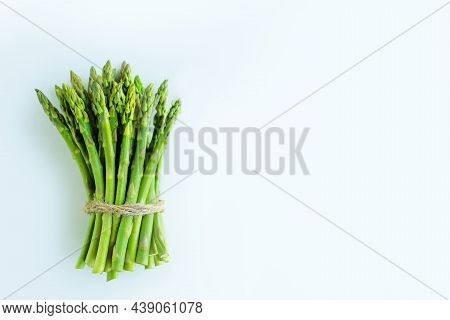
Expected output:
(130, 209)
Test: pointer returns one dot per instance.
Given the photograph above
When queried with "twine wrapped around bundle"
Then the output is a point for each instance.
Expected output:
(130, 209)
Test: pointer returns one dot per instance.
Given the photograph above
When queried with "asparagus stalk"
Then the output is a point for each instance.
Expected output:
(95, 78)
(158, 120)
(125, 76)
(107, 78)
(77, 107)
(115, 101)
(124, 161)
(78, 85)
(79, 88)
(158, 226)
(158, 247)
(147, 246)
(71, 124)
(147, 179)
(137, 111)
(108, 84)
(151, 262)
(99, 102)
(153, 248)
(81, 91)
(137, 169)
(138, 84)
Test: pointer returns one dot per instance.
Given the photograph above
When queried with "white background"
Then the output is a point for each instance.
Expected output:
(378, 147)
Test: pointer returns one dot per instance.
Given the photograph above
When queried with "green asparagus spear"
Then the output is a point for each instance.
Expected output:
(93, 78)
(78, 85)
(151, 262)
(125, 76)
(116, 101)
(81, 91)
(107, 78)
(147, 245)
(124, 161)
(158, 226)
(99, 102)
(158, 247)
(137, 116)
(71, 124)
(138, 84)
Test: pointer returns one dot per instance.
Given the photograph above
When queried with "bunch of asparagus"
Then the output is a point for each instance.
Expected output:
(107, 127)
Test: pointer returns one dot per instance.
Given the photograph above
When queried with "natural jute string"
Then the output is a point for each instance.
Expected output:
(134, 209)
